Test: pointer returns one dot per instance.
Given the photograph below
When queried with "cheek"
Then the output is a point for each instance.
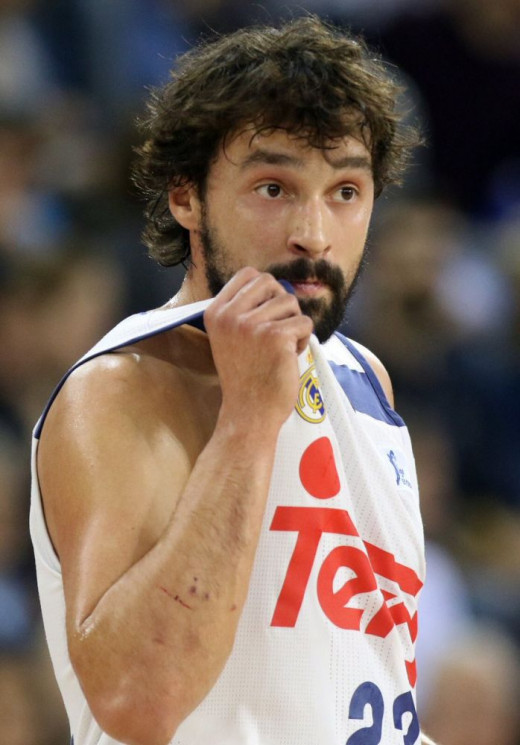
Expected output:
(352, 228)
(262, 224)
(359, 225)
(363, 215)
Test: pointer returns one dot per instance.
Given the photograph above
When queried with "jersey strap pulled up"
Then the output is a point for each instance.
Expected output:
(324, 652)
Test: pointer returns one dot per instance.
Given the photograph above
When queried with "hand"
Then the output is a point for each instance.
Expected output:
(257, 330)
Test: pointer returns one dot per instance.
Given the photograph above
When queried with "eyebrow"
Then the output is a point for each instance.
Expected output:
(270, 157)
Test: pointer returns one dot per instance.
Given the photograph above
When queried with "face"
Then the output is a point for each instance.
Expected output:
(275, 203)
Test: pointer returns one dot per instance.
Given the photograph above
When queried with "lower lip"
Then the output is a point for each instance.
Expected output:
(307, 288)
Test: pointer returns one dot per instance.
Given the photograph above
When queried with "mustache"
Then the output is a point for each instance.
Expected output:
(303, 269)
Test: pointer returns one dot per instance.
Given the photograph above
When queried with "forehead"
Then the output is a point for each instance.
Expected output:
(249, 147)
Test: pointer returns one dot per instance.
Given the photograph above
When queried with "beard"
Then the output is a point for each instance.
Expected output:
(326, 314)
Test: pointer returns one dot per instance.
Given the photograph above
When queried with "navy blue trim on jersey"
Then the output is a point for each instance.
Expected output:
(196, 320)
(363, 389)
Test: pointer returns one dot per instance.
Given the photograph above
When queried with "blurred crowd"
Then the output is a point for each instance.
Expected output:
(439, 302)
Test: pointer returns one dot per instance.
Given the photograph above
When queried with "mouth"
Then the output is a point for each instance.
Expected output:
(308, 287)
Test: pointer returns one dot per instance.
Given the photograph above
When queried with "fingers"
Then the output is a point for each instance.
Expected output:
(254, 297)
(257, 330)
(249, 288)
(298, 328)
(239, 280)
(251, 302)
(275, 308)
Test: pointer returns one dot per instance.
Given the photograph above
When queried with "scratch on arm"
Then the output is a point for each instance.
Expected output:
(177, 598)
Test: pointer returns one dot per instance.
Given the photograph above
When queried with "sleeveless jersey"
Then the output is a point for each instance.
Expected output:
(324, 651)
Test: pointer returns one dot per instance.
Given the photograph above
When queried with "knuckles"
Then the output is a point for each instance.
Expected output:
(222, 315)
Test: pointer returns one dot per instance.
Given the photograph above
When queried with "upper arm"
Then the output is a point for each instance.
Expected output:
(110, 476)
(379, 370)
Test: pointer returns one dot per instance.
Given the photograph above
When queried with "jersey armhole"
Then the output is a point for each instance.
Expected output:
(372, 378)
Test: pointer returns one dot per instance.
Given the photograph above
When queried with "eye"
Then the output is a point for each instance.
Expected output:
(345, 194)
(270, 191)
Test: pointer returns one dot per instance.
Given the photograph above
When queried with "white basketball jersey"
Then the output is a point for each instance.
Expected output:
(324, 652)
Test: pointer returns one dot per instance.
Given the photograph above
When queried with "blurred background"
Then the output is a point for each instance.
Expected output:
(439, 303)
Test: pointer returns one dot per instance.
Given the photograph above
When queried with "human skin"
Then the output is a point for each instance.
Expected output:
(272, 198)
(155, 462)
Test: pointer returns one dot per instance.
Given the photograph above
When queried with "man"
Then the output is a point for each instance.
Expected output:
(231, 549)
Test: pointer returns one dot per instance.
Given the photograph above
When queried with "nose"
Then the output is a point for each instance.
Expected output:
(308, 234)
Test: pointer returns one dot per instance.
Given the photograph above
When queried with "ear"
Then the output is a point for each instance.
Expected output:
(185, 206)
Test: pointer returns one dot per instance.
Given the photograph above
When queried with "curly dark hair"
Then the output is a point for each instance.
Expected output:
(311, 79)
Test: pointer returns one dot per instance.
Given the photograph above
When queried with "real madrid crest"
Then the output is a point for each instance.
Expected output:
(310, 405)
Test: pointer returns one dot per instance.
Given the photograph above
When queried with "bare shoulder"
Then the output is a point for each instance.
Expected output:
(139, 390)
(109, 391)
(379, 369)
(113, 459)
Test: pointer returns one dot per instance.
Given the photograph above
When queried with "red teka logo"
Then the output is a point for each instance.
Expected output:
(310, 523)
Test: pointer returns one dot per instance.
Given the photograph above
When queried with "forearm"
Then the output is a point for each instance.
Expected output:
(175, 611)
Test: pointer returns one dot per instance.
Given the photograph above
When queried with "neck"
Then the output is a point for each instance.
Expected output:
(192, 290)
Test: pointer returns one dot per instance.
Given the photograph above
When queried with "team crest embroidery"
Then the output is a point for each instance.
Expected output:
(310, 404)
